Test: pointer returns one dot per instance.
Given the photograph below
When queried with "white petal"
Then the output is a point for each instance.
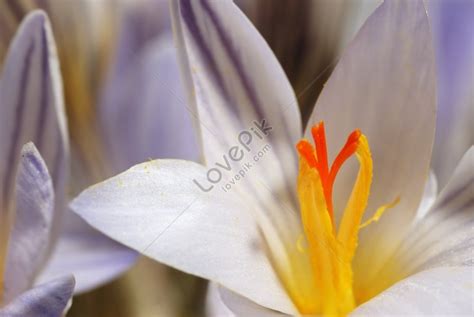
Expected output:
(93, 258)
(236, 85)
(384, 85)
(32, 107)
(157, 209)
(31, 232)
(215, 307)
(255, 86)
(243, 307)
(221, 302)
(437, 292)
(235, 82)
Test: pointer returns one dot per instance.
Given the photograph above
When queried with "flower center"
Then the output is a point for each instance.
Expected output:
(330, 250)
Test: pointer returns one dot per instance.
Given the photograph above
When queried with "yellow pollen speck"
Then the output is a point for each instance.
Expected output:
(379, 212)
(299, 244)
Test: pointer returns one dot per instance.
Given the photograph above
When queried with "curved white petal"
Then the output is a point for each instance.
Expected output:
(221, 302)
(47, 300)
(384, 85)
(157, 209)
(453, 33)
(246, 112)
(438, 292)
(31, 233)
(241, 306)
(235, 82)
(229, 66)
(92, 257)
(32, 107)
(215, 307)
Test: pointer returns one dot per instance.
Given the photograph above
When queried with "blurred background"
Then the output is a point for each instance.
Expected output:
(307, 37)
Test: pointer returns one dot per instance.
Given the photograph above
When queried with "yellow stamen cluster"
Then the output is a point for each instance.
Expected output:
(330, 249)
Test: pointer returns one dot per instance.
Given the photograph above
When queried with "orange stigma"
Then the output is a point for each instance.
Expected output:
(318, 158)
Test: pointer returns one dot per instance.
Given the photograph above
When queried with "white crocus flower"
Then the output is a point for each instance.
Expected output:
(281, 240)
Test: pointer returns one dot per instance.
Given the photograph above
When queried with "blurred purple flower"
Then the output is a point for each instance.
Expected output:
(32, 110)
(452, 23)
(141, 115)
(31, 201)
